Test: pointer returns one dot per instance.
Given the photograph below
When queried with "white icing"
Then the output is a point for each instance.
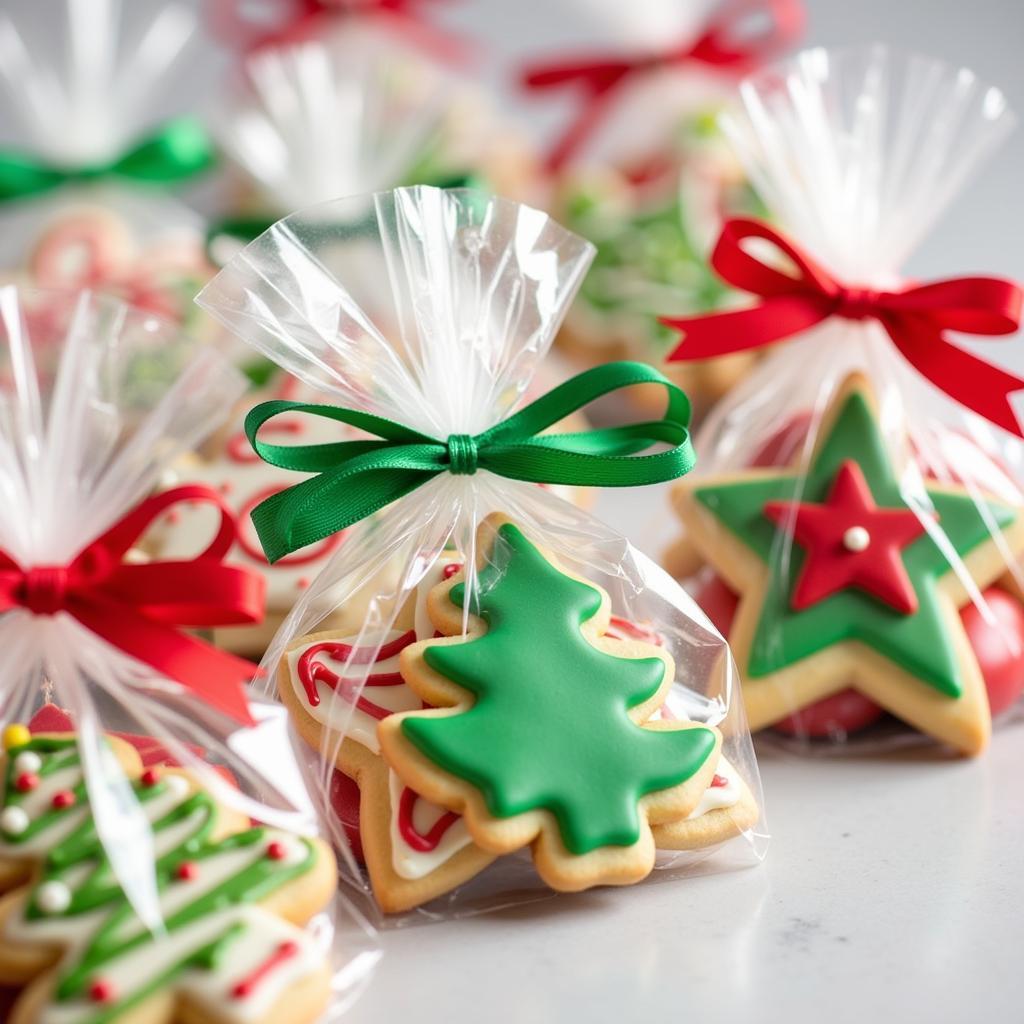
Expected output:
(336, 710)
(717, 797)
(28, 762)
(412, 864)
(856, 538)
(261, 935)
(14, 821)
(53, 897)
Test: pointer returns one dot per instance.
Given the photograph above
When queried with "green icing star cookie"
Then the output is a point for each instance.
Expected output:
(843, 583)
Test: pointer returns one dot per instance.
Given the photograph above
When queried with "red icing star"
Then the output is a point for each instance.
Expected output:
(850, 542)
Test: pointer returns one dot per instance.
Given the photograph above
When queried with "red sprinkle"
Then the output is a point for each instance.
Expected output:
(150, 777)
(101, 991)
(188, 871)
(718, 782)
(26, 782)
(303, 583)
(277, 851)
(62, 800)
(450, 570)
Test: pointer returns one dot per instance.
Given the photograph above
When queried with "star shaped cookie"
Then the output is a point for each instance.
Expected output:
(849, 575)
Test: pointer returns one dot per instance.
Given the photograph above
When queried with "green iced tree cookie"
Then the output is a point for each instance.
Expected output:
(550, 727)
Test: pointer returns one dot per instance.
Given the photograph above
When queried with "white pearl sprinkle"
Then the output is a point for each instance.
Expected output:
(13, 821)
(856, 538)
(53, 897)
(29, 761)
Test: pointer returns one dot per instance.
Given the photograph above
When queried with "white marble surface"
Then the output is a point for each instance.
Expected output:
(890, 891)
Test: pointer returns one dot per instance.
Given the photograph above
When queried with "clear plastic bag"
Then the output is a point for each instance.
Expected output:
(135, 765)
(83, 86)
(409, 119)
(911, 613)
(641, 169)
(435, 310)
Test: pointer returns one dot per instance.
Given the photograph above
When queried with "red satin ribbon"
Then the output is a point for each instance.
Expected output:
(139, 607)
(742, 35)
(915, 318)
(297, 20)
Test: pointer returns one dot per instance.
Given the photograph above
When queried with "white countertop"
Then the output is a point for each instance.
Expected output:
(890, 891)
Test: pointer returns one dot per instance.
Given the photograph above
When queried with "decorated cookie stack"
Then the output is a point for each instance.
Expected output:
(855, 530)
(460, 741)
(234, 900)
(514, 681)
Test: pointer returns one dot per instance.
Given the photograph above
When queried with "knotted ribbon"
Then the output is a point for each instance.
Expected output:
(139, 607)
(357, 478)
(179, 150)
(742, 35)
(915, 318)
(295, 20)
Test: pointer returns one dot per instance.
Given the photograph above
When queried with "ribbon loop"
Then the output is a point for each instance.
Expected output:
(355, 479)
(463, 455)
(915, 318)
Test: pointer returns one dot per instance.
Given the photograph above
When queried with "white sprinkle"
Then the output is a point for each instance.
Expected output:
(29, 762)
(13, 821)
(53, 897)
(856, 538)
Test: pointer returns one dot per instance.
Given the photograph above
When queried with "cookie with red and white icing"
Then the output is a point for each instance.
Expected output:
(414, 850)
(234, 901)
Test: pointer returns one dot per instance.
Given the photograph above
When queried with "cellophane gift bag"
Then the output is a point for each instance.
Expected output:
(97, 140)
(640, 167)
(159, 854)
(856, 523)
(523, 700)
(409, 118)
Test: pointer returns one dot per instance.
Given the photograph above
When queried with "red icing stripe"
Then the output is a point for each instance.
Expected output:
(414, 839)
(311, 671)
(285, 952)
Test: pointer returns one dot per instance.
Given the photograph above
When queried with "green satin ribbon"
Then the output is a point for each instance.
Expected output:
(357, 478)
(179, 150)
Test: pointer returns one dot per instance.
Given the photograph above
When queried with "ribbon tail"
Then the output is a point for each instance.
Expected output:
(215, 677)
(580, 129)
(976, 384)
(740, 330)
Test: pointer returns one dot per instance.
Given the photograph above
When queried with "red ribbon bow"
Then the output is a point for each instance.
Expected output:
(741, 36)
(139, 607)
(915, 318)
(297, 20)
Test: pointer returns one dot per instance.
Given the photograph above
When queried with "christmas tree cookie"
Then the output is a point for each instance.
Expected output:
(234, 900)
(414, 848)
(539, 729)
(851, 574)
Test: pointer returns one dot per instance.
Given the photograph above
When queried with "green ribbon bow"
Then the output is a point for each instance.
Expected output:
(179, 150)
(357, 478)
